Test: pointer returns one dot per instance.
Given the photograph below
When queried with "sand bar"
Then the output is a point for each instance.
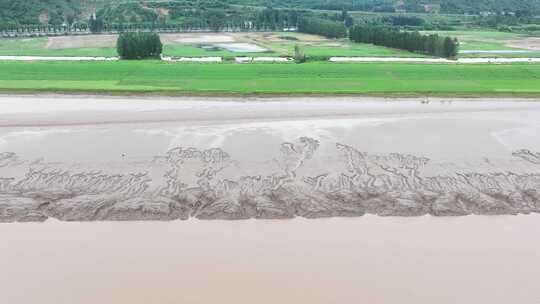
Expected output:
(100, 158)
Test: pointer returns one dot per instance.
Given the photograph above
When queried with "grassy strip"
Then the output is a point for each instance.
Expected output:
(38, 47)
(309, 78)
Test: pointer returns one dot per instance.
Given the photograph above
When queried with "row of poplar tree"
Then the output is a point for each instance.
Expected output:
(434, 44)
(322, 27)
(411, 41)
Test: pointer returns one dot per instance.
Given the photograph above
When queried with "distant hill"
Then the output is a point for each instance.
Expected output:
(67, 11)
(49, 11)
(442, 6)
(33, 11)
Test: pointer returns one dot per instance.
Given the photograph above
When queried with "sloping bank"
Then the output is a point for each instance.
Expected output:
(310, 78)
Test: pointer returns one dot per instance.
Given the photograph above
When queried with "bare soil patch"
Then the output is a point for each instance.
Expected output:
(196, 38)
(272, 37)
(97, 41)
(529, 43)
(76, 42)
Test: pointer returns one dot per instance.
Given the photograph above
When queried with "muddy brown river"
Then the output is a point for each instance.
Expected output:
(419, 260)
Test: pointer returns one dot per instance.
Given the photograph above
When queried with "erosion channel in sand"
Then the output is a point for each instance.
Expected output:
(99, 158)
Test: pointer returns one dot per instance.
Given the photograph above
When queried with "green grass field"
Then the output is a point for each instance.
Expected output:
(477, 35)
(37, 47)
(346, 49)
(480, 41)
(484, 46)
(497, 48)
(488, 41)
(309, 78)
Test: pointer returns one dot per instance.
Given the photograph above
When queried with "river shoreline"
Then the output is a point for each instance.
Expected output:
(129, 159)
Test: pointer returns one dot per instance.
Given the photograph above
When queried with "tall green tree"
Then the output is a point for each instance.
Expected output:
(322, 27)
(450, 47)
(95, 24)
(299, 55)
(139, 45)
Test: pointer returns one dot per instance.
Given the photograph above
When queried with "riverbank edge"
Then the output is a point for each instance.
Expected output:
(227, 94)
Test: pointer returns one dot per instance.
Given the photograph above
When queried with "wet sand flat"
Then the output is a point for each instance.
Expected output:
(92, 159)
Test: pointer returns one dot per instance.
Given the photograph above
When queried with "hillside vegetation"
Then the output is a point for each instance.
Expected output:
(29, 11)
(445, 6)
(68, 11)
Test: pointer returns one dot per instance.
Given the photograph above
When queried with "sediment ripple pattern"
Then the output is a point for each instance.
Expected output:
(209, 184)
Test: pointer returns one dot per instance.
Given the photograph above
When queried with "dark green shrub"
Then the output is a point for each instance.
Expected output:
(139, 45)
(299, 56)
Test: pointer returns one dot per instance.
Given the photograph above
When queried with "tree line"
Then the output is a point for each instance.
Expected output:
(214, 19)
(322, 27)
(58, 12)
(434, 45)
(403, 20)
